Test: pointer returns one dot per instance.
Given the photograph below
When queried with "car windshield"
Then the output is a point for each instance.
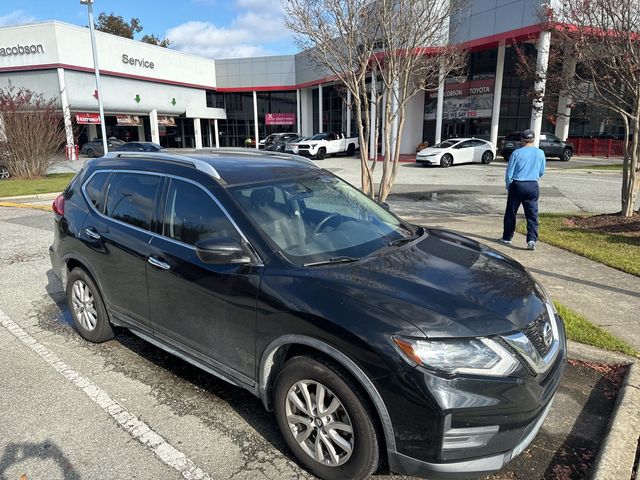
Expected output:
(445, 144)
(319, 218)
(319, 136)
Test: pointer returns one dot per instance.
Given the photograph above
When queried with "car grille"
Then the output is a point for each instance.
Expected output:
(303, 146)
(535, 334)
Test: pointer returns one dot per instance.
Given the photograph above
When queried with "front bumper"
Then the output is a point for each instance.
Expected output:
(467, 468)
(432, 160)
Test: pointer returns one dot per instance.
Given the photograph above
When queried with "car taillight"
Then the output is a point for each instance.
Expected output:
(58, 205)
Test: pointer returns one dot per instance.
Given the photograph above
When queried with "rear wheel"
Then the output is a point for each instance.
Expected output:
(487, 157)
(4, 172)
(87, 308)
(446, 160)
(91, 153)
(325, 420)
(351, 149)
(322, 153)
(567, 153)
(506, 156)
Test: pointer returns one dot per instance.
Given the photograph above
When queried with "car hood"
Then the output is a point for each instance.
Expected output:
(431, 151)
(445, 284)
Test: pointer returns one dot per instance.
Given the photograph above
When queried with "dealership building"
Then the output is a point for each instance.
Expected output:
(178, 100)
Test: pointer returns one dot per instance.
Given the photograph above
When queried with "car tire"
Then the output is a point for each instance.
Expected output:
(91, 153)
(446, 161)
(87, 308)
(487, 157)
(567, 153)
(351, 411)
(322, 153)
(351, 149)
(4, 172)
(506, 156)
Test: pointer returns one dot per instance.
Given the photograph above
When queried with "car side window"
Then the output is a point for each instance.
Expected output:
(466, 144)
(191, 215)
(94, 189)
(131, 198)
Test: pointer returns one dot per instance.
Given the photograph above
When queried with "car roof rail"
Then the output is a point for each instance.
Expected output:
(258, 153)
(195, 162)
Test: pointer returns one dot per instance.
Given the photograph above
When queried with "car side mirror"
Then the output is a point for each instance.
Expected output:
(222, 251)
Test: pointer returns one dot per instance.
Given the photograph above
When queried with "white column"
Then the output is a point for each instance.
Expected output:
(66, 113)
(319, 109)
(542, 61)
(141, 137)
(217, 134)
(298, 113)
(373, 111)
(440, 106)
(497, 94)
(197, 132)
(153, 121)
(348, 113)
(563, 118)
(255, 117)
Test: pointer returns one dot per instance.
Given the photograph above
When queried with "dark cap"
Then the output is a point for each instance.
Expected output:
(528, 134)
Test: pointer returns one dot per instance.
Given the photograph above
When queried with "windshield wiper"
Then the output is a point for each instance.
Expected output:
(401, 241)
(332, 260)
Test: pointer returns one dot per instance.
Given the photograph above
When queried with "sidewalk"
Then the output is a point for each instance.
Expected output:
(607, 297)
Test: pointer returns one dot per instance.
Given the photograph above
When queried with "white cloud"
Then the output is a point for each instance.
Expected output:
(257, 23)
(16, 17)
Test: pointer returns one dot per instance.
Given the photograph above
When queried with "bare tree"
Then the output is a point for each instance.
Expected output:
(400, 43)
(31, 132)
(595, 60)
(416, 57)
(339, 36)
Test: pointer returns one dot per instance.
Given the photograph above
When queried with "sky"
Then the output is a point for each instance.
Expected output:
(209, 28)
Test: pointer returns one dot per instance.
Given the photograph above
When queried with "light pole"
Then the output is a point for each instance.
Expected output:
(103, 129)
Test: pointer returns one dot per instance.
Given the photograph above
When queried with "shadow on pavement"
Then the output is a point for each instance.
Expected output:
(17, 453)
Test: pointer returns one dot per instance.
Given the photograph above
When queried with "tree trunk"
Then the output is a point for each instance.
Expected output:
(630, 175)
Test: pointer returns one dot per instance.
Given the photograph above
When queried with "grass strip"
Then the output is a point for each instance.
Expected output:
(55, 182)
(582, 330)
(615, 250)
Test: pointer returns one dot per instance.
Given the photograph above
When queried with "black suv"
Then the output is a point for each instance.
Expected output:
(373, 340)
(551, 145)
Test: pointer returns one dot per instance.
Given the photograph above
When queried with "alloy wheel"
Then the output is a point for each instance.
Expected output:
(319, 423)
(4, 173)
(84, 305)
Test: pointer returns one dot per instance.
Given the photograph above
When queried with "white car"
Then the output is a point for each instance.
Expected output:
(457, 150)
(323, 144)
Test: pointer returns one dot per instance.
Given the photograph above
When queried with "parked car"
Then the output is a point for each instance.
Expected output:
(139, 147)
(279, 142)
(275, 137)
(456, 151)
(322, 144)
(94, 148)
(373, 340)
(551, 145)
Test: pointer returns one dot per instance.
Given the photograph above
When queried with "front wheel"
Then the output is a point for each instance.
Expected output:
(487, 157)
(4, 172)
(87, 308)
(567, 153)
(325, 420)
(91, 153)
(322, 153)
(446, 160)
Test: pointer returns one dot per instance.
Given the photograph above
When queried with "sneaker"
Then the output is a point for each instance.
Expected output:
(505, 242)
(531, 245)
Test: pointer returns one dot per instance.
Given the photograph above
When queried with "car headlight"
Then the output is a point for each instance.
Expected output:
(472, 356)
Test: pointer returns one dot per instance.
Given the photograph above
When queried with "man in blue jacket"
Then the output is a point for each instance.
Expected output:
(526, 166)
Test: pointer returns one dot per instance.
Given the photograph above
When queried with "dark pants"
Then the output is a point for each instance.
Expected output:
(525, 193)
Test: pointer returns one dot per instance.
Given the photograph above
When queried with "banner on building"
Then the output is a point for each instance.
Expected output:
(471, 99)
(280, 118)
(167, 121)
(128, 120)
(87, 118)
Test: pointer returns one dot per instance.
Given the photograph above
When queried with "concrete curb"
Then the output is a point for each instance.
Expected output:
(26, 198)
(616, 458)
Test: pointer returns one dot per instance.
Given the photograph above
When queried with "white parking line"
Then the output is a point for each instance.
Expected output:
(135, 427)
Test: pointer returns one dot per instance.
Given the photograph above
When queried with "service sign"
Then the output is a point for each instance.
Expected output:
(87, 118)
(280, 119)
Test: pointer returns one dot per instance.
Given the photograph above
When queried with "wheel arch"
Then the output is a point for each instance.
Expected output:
(277, 352)
(71, 261)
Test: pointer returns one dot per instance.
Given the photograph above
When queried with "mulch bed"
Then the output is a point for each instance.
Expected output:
(608, 223)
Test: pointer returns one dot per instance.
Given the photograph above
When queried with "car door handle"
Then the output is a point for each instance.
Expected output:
(91, 233)
(157, 263)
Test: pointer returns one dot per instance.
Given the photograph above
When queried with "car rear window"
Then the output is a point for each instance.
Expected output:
(94, 189)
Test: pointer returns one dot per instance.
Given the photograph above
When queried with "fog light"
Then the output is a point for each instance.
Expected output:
(473, 437)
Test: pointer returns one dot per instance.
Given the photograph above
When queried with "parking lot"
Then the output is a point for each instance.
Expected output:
(125, 409)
